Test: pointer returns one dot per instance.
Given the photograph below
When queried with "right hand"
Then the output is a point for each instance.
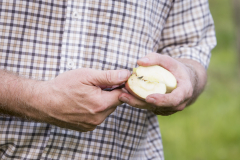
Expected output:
(73, 99)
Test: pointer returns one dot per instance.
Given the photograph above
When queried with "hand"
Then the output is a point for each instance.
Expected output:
(190, 83)
(73, 99)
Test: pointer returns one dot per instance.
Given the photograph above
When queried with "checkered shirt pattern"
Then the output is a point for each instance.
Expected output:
(41, 39)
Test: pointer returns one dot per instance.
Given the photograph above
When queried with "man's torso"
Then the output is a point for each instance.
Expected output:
(42, 39)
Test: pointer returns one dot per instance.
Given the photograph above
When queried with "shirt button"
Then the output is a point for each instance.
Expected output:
(75, 14)
(70, 64)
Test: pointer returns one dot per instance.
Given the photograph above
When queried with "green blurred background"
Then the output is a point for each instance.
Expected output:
(210, 128)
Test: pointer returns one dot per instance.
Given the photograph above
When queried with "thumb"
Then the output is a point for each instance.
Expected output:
(109, 77)
(165, 61)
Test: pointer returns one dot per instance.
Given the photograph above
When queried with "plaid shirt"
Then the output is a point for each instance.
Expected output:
(41, 39)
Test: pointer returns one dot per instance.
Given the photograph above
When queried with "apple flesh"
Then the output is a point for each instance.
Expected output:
(149, 80)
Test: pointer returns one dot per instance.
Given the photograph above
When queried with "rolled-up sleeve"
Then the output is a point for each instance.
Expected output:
(189, 31)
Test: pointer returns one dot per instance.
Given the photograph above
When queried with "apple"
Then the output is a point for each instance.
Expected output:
(149, 80)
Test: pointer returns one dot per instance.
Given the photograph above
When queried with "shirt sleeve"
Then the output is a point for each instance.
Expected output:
(189, 31)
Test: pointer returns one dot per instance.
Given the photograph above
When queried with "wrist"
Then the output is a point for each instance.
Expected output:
(198, 77)
(18, 96)
(38, 100)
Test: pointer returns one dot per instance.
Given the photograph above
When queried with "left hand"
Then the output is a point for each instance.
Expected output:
(187, 89)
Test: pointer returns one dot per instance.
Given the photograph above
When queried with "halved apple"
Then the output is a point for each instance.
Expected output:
(149, 80)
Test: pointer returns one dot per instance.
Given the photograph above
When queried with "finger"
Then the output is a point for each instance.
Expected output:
(110, 99)
(166, 111)
(163, 100)
(77, 126)
(108, 103)
(108, 112)
(134, 102)
(82, 127)
(165, 61)
(108, 78)
(182, 93)
(98, 118)
(114, 87)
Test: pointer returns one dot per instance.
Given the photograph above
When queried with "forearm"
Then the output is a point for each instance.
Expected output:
(198, 76)
(17, 94)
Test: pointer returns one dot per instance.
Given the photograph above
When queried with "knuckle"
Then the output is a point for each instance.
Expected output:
(90, 128)
(176, 102)
(179, 108)
(178, 99)
(190, 93)
(155, 110)
(96, 121)
(98, 108)
(137, 105)
(170, 113)
(90, 125)
(101, 108)
(92, 111)
(182, 106)
(83, 130)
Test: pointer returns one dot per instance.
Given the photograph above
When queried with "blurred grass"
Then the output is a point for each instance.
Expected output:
(210, 128)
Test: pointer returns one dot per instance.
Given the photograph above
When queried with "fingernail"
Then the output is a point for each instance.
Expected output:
(123, 75)
(124, 99)
(145, 60)
(151, 100)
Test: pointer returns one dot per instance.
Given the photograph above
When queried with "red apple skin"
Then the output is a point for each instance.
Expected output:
(132, 93)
